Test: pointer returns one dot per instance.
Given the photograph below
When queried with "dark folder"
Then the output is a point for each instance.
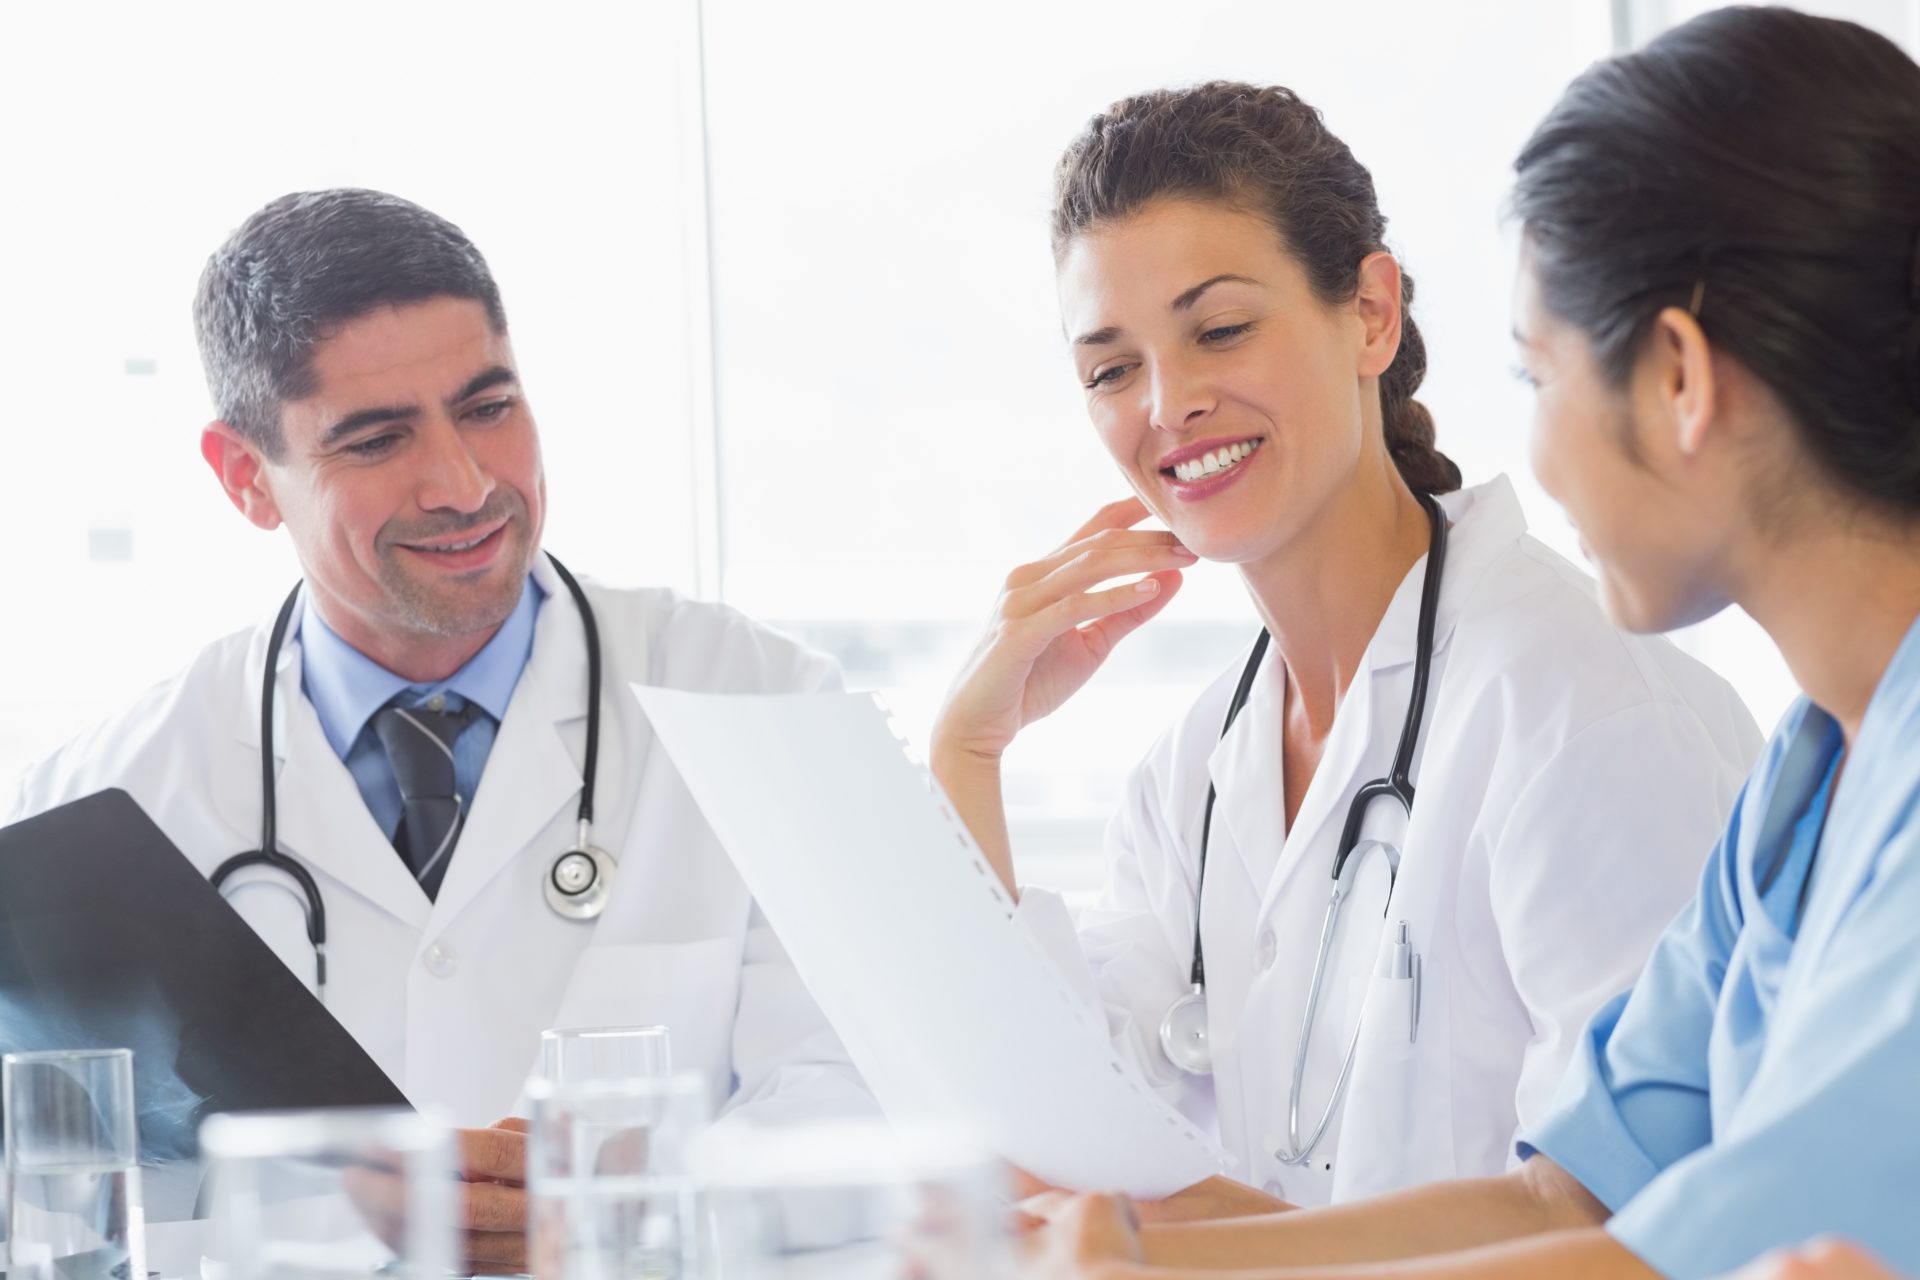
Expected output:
(109, 938)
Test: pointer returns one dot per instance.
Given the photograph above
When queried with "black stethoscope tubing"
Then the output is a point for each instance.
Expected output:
(269, 855)
(1397, 783)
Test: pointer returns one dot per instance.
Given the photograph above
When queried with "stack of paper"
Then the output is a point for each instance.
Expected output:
(907, 939)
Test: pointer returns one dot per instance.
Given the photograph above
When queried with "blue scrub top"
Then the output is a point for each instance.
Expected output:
(1760, 1084)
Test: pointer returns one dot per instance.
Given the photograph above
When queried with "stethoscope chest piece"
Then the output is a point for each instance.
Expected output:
(1183, 1034)
(580, 881)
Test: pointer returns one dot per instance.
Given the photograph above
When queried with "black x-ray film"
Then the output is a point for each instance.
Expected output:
(110, 939)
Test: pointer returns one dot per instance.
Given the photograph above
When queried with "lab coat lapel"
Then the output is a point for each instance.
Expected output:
(323, 821)
(1366, 730)
(1326, 800)
(533, 773)
(1249, 810)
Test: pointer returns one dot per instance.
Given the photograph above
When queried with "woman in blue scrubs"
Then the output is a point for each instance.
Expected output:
(1719, 306)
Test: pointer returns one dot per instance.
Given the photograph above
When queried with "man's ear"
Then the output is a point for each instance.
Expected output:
(238, 465)
(1377, 302)
(1683, 379)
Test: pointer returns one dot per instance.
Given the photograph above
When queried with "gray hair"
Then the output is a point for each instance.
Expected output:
(301, 267)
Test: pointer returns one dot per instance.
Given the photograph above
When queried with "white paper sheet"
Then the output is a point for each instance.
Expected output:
(907, 939)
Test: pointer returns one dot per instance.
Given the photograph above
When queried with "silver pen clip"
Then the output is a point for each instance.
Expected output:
(1406, 964)
(1413, 1019)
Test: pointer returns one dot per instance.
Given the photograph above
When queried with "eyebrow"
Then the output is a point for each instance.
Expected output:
(1100, 337)
(1192, 295)
(360, 420)
(486, 380)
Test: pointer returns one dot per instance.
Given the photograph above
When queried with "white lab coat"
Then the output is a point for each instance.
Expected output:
(450, 996)
(1570, 781)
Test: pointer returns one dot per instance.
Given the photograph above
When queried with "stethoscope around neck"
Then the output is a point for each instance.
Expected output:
(577, 884)
(1183, 1031)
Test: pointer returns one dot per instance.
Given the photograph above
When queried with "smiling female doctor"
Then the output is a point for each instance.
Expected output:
(1728, 407)
(1364, 987)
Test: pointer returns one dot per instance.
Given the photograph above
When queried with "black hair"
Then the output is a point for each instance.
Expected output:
(302, 266)
(1762, 167)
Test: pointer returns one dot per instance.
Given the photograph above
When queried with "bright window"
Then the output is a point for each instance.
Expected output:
(555, 143)
(899, 423)
(897, 426)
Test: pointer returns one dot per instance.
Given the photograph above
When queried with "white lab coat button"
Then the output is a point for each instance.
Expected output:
(1269, 948)
(440, 961)
(1274, 1189)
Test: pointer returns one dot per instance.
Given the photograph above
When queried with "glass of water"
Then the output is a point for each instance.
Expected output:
(849, 1199)
(73, 1153)
(313, 1195)
(610, 1187)
(571, 1055)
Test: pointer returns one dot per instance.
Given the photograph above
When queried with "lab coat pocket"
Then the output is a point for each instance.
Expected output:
(690, 988)
(1396, 1130)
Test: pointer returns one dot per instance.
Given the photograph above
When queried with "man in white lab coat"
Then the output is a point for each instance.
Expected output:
(430, 706)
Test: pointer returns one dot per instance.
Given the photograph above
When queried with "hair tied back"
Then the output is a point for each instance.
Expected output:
(1910, 362)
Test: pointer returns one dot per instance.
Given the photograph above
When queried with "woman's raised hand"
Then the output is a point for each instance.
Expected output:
(1053, 626)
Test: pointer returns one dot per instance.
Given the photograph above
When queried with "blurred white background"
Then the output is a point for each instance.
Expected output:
(780, 288)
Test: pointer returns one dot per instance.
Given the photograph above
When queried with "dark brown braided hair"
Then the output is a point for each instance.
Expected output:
(1264, 150)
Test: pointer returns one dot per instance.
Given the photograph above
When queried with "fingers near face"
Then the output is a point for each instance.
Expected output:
(1122, 514)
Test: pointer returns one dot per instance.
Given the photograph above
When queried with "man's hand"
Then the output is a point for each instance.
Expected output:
(493, 1204)
(493, 1197)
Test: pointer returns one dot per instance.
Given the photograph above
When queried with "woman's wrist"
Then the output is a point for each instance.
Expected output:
(964, 761)
(971, 781)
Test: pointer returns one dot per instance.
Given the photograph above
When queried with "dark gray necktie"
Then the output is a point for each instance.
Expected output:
(419, 744)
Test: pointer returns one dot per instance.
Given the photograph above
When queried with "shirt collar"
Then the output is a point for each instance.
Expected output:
(346, 687)
(1485, 522)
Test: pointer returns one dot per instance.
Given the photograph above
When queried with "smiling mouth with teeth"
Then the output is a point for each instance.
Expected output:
(448, 548)
(1212, 463)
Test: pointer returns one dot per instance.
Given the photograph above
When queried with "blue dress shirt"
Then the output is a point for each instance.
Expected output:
(1760, 1084)
(346, 687)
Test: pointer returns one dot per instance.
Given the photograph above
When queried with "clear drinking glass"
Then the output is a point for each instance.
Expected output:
(852, 1199)
(73, 1153)
(309, 1195)
(609, 1178)
(571, 1055)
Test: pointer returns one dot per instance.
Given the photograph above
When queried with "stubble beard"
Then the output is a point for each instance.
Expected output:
(450, 609)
